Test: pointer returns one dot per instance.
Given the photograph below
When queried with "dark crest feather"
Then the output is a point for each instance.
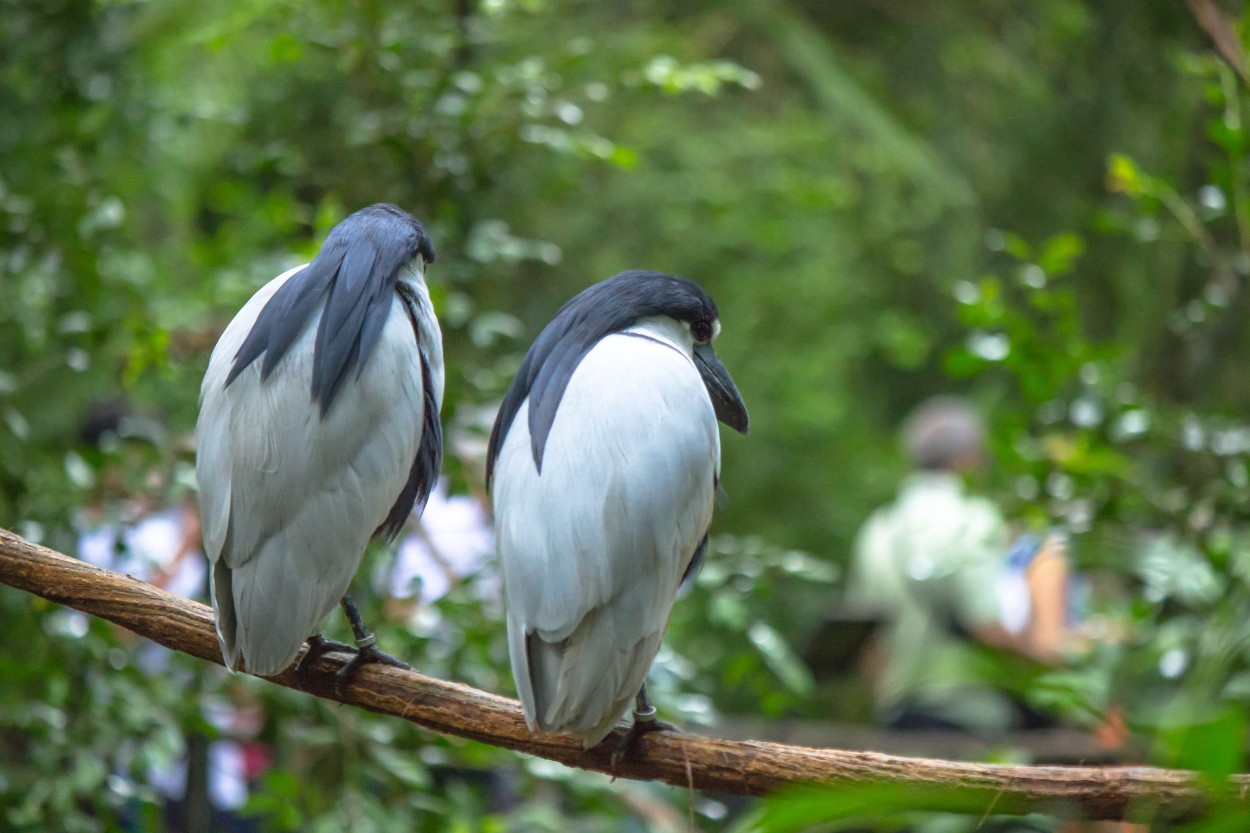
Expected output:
(600, 310)
(427, 463)
(356, 273)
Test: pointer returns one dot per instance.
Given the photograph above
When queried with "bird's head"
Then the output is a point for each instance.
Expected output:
(612, 306)
(393, 234)
(633, 296)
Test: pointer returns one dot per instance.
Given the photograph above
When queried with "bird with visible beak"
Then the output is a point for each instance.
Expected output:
(604, 466)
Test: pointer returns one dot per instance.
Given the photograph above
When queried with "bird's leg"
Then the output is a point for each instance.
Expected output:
(366, 643)
(364, 637)
(644, 722)
(318, 645)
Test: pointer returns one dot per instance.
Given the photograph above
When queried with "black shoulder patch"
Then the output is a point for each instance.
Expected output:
(285, 315)
(597, 311)
(355, 273)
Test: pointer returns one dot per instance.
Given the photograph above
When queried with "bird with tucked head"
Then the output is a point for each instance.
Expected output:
(318, 431)
(604, 466)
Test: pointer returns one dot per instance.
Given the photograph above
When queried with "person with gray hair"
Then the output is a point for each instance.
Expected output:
(946, 434)
(928, 567)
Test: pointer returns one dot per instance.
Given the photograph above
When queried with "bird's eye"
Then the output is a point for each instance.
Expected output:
(702, 331)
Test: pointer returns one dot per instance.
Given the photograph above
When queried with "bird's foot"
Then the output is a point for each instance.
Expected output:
(366, 653)
(644, 723)
(318, 646)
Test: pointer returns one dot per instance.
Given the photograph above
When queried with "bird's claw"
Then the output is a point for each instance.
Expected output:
(643, 724)
(318, 646)
(366, 654)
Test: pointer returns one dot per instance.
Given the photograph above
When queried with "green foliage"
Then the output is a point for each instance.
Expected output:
(733, 621)
(886, 203)
(810, 809)
(1149, 470)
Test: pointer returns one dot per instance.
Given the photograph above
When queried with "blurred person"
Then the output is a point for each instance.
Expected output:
(930, 566)
(1040, 596)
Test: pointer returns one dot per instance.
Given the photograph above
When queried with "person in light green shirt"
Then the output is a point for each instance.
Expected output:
(928, 566)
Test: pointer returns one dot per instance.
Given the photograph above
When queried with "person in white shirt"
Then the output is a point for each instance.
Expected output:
(930, 566)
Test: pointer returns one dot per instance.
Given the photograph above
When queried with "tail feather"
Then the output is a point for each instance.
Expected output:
(518, 656)
(545, 661)
(275, 611)
(222, 592)
(581, 684)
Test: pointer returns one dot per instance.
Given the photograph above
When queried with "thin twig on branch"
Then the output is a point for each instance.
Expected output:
(740, 767)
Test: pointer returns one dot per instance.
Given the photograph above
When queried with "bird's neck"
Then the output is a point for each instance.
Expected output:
(666, 330)
(414, 276)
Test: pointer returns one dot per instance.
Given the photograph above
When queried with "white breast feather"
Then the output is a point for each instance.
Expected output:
(594, 549)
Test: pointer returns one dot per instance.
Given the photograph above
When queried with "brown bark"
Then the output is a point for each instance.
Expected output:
(741, 767)
(1222, 30)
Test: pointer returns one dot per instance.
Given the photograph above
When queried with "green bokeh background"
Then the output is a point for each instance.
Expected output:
(1041, 205)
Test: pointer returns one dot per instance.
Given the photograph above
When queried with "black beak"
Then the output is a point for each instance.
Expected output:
(726, 401)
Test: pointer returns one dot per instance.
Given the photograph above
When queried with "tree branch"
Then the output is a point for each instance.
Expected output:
(741, 767)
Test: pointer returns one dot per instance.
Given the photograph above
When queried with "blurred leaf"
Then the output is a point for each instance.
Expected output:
(1123, 176)
(812, 809)
(783, 661)
(1215, 747)
(1059, 253)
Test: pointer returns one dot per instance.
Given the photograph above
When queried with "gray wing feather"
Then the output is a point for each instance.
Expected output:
(341, 329)
(289, 497)
(594, 548)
